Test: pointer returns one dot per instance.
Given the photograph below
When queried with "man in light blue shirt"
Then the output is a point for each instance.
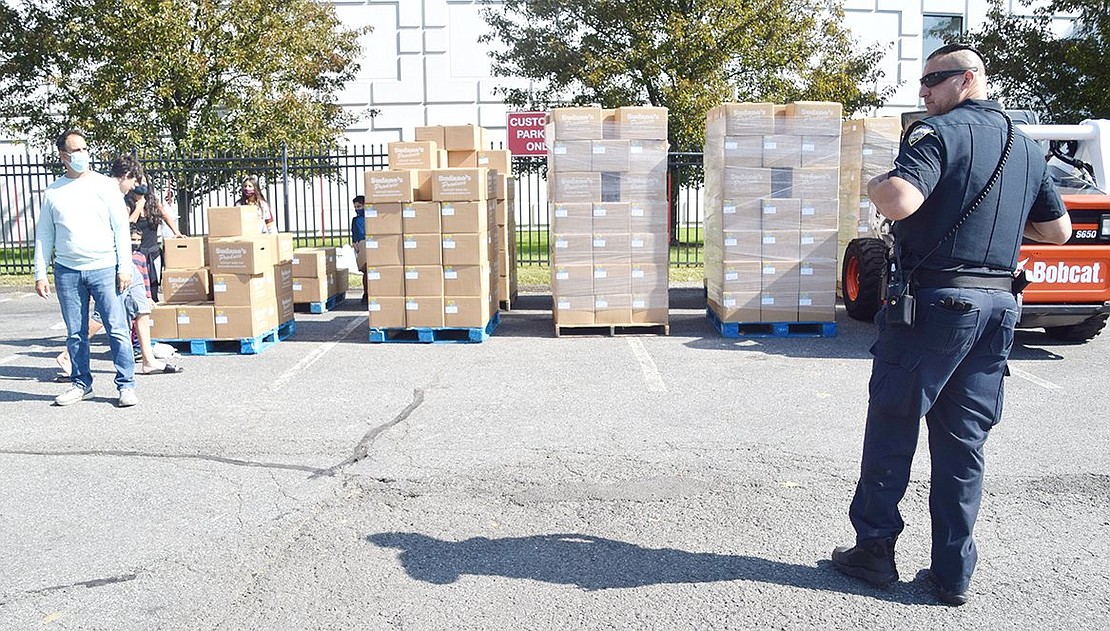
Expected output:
(83, 225)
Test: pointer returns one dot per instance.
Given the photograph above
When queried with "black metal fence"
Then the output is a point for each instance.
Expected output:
(310, 194)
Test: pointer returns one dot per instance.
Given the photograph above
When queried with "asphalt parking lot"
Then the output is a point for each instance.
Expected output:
(685, 481)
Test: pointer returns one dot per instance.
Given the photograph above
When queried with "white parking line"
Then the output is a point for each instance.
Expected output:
(314, 356)
(1031, 378)
(647, 366)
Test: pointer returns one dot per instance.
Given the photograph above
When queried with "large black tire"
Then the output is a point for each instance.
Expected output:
(863, 276)
(1082, 332)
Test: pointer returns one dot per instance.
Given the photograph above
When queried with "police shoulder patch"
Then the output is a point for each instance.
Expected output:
(918, 132)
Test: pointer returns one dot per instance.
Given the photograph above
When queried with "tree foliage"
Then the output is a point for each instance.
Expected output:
(1065, 79)
(686, 55)
(185, 75)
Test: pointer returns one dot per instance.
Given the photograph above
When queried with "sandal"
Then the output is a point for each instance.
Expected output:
(169, 369)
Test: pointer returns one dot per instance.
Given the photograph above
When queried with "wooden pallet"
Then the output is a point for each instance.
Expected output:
(435, 335)
(241, 346)
(507, 303)
(771, 329)
(611, 330)
(321, 307)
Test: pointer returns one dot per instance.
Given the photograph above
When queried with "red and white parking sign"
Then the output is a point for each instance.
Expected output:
(526, 134)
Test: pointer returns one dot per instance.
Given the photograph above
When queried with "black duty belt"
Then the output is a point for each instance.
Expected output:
(933, 278)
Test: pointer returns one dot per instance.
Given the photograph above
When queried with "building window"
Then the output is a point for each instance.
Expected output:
(938, 30)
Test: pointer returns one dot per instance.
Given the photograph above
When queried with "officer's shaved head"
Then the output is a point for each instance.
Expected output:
(960, 56)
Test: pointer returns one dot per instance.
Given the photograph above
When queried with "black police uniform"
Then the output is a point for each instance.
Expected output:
(948, 367)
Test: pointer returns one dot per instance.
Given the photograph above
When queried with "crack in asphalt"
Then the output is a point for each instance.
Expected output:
(362, 449)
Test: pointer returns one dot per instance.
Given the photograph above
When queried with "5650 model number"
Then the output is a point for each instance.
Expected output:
(1086, 234)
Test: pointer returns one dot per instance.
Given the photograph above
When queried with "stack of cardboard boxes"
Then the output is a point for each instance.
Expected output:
(868, 147)
(771, 196)
(431, 231)
(315, 276)
(237, 283)
(607, 174)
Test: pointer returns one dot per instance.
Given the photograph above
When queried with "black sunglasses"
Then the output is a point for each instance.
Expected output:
(933, 79)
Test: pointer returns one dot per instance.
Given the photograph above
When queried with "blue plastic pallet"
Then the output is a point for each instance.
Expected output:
(771, 329)
(243, 346)
(430, 335)
(322, 307)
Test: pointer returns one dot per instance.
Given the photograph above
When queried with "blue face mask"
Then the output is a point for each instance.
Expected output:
(79, 161)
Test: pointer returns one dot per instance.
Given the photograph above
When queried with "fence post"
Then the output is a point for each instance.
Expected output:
(285, 182)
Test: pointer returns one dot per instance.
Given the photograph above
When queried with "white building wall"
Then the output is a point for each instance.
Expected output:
(424, 66)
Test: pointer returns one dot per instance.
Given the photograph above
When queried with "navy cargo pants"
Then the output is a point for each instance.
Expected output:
(948, 368)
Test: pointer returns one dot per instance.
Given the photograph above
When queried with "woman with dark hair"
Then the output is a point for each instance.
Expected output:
(147, 218)
(250, 194)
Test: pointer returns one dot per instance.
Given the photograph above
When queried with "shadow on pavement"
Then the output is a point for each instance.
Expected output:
(595, 563)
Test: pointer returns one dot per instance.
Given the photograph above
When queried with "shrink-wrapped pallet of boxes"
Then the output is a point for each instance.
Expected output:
(771, 213)
(431, 250)
(868, 148)
(609, 217)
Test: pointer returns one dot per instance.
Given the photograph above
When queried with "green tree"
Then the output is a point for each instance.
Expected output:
(685, 55)
(185, 75)
(1065, 79)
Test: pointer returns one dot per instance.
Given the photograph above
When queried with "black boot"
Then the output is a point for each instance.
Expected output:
(870, 559)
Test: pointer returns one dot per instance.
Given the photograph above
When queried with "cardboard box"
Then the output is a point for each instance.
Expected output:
(384, 250)
(283, 278)
(817, 306)
(233, 290)
(307, 290)
(499, 160)
(576, 123)
(648, 278)
(422, 249)
(188, 253)
(612, 279)
(819, 214)
(817, 244)
(450, 185)
(466, 280)
(780, 214)
(613, 309)
(780, 150)
(651, 307)
(465, 216)
(385, 280)
(572, 280)
(466, 311)
(737, 307)
(285, 307)
(241, 322)
(814, 118)
(572, 218)
(463, 137)
(610, 217)
(821, 182)
(647, 155)
(466, 248)
(778, 307)
(820, 151)
(609, 155)
(571, 310)
(391, 186)
(649, 216)
(575, 187)
(313, 262)
(432, 133)
(743, 151)
(423, 311)
(181, 286)
(195, 322)
(234, 221)
(741, 277)
(741, 245)
(163, 322)
(780, 245)
(241, 255)
(461, 159)
(285, 246)
(817, 275)
(743, 182)
(420, 217)
(571, 248)
(642, 187)
(648, 248)
(646, 123)
(746, 119)
(383, 218)
(386, 312)
(413, 155)
(423, 280)
(610, 248)
(566, 156)
(338, 283)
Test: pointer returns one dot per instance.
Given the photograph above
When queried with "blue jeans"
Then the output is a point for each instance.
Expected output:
(74, 288)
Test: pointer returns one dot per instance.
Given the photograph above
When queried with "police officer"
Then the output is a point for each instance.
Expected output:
(947, 365)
